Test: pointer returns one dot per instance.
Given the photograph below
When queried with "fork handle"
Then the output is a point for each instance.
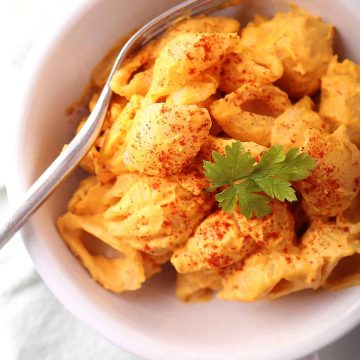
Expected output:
(61, 167)
(86, 137)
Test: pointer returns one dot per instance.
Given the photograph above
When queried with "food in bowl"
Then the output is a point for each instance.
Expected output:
(211, 109)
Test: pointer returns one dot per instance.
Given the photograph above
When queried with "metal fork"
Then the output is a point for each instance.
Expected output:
(82, 142)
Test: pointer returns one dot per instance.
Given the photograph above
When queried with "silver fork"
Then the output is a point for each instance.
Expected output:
(82, 142)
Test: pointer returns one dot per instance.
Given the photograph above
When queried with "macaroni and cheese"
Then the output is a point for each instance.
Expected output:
(205, 83)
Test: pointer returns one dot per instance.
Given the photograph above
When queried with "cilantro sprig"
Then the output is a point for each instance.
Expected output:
(251, 184)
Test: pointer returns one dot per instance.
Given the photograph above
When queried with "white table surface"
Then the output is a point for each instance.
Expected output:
(33, 325)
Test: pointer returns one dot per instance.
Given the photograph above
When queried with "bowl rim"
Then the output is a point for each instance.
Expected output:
(78, 305)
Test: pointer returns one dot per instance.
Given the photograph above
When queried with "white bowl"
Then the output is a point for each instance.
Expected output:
(152, 322)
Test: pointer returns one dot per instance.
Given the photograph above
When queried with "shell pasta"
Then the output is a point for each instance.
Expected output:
(185, 98)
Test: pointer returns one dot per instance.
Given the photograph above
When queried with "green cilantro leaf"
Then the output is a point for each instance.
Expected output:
(276, 188)
(249, 186)
(227, 199)
(293, 166)
(251, 201)
(275, 155)
(236, 164)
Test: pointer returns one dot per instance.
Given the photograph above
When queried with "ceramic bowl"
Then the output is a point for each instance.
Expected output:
(152, 322)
